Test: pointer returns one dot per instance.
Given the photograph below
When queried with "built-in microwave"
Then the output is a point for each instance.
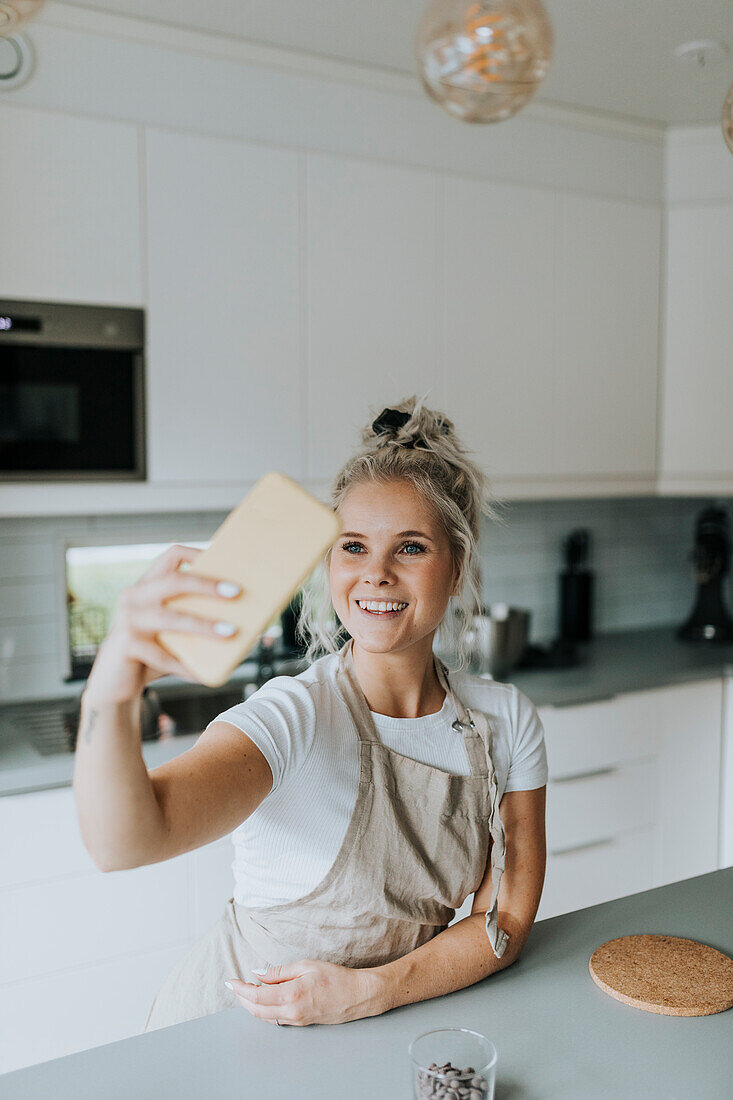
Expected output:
(72, 403)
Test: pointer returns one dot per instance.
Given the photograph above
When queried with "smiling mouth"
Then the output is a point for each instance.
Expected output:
(384, 609)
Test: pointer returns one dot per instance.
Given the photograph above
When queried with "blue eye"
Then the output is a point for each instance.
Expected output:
(348, 547)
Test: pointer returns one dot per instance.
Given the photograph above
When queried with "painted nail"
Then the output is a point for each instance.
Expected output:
(227, 629)
(260, 972)
(228, 588)
(229, 984)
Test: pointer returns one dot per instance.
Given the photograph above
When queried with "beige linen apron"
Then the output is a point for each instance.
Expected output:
(415, 848)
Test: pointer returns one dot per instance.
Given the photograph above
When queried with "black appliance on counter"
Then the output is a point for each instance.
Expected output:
(575, 617)
(71, 392)
(709, 620)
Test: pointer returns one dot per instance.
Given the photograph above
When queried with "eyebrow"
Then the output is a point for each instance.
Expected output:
(400, 535)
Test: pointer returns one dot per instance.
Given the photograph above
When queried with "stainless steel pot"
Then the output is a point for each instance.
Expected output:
(498, 639)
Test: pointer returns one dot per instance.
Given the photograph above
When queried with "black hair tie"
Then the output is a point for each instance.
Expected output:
(390, 420)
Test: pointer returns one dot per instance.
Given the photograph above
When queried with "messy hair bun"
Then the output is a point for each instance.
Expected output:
(413, 443)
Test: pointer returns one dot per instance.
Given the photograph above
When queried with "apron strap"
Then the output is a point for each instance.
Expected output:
(354, 696)
(498, 938)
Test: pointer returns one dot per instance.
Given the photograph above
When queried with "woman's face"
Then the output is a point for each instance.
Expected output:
(392, 551)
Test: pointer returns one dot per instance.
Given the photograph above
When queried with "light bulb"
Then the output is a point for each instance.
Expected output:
(16, 12)
(727, 119)
(483, 60)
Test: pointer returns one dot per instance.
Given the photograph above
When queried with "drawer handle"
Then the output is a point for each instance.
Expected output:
(582, 847)
(584, 702)
(585, 775)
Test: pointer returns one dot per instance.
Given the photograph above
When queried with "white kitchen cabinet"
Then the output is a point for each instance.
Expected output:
(688, 784)
(226, 385)
(89, 950)
(373, 272)
(71, 1010)
(697, 390)
(633, 793)
(598, 871)
(605, 344)
(551, 305)
(726, 778)
(71, 197)
(531, 317)
(497, 278)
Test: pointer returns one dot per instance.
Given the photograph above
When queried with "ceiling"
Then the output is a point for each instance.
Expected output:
(611, 56)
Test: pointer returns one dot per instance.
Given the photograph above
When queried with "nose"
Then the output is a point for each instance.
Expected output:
(378, 571)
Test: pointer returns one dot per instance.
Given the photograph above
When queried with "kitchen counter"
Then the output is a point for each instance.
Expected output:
(622, 661)
(557, 1034)
(611, 664)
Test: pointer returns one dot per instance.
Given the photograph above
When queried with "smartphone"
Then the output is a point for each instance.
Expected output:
(268, 544)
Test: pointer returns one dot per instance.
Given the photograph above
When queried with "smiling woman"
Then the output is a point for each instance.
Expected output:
(370, 795)
(387, 771)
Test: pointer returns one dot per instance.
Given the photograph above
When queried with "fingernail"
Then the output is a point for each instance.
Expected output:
(225, 628)
(229, 984)
(260, 972)
(228, 588)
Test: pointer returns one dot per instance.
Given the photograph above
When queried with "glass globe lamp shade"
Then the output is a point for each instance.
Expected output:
(727, 119)
(483, 60)
(17, 12)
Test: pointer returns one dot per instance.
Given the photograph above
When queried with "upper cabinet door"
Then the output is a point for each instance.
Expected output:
(71, 200)
(606, 339)
(697, 442)
(226, 388)
(497, 282)
(372, 298)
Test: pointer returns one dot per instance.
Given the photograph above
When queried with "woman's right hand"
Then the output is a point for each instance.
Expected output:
(130, 656)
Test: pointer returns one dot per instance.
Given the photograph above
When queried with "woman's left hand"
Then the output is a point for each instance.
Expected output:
(311, 992)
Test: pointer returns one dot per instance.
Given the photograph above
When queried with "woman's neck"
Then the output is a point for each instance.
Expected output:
(403, 684)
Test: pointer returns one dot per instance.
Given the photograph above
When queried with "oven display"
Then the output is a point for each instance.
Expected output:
(19, 324)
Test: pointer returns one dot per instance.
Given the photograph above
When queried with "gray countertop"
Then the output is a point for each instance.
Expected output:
(626, 660)
(557, 1034)
(611, 664)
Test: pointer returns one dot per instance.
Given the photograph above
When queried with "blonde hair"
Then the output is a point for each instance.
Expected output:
(425, 451)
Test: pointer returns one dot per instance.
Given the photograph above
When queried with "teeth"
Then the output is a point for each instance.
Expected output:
(376, 605)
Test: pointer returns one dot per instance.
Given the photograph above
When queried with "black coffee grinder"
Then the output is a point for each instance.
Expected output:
(575, 617)
(709, 621)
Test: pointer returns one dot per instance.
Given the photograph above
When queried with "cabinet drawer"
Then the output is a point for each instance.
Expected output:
(61, 1014)
(600, 804)
(41, 837)
(86, 919)
(609, 868)
(599, 735)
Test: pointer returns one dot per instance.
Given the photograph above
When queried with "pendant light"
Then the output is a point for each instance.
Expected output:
(727, 119)
(17, 12)
(483, 60)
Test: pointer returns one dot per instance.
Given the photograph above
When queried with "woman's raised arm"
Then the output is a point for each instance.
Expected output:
(121, 821)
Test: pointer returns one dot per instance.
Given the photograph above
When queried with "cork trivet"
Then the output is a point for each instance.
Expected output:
(664, 974)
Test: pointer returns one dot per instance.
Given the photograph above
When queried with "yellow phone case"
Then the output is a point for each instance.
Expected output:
(268, 544)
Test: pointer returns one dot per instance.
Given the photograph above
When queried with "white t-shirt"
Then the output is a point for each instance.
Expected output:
(306, 733)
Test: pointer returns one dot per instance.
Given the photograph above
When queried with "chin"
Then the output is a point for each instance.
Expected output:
(371, 644)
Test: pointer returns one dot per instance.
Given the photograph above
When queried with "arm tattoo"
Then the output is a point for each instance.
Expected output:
(90, 726)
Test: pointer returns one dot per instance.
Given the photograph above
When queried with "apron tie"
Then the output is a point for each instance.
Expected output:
(498, 938)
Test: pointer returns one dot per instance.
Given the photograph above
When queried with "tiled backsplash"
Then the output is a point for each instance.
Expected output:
(639, 551)
(639, 557)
